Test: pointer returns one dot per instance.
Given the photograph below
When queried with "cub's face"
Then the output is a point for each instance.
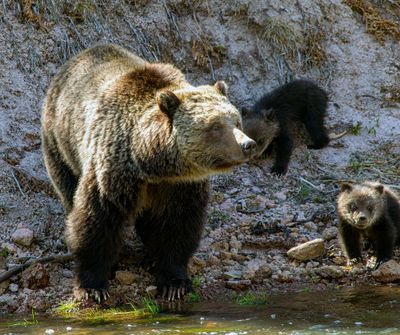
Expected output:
(208, 128)
(261, 127)
(361, 204)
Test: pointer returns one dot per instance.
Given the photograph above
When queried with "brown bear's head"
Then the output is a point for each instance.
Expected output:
(207, 128)
(361, 204)
(262, 127)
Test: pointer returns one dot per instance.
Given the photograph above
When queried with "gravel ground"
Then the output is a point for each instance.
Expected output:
(254, 217)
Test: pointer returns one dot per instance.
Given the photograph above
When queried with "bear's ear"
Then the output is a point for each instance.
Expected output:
(379, 188)
(268, 114)
(346, 186)
(245, 112)
(168, 102)
(221, 87)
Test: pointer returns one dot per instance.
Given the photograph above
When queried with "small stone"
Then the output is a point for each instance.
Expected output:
(238, 284)
(309, 250)
(125, 277)
(225, 255)
(23, 236)
(212, 260)
(151, 290)
(67, 273)
(310, 226)
(13, 287)
(35, 277)
(280, 196)
(198, 262)
(330, 271)
(387, 272)
(329, 233)
(3, 286)
(232, 274)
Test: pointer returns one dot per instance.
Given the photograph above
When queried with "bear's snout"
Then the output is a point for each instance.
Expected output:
(249, 147)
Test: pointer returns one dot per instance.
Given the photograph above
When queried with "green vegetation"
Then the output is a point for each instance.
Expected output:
(304, 192)
(251, 299)
(194, 297)
(356, 129)
(67, 307)
(27, 323)
(150, 306)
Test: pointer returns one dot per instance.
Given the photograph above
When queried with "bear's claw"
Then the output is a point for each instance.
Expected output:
(84, 294)
(175, 289)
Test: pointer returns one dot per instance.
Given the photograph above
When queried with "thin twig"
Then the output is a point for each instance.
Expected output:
(18, 184)
(19, 268)
(310, 184)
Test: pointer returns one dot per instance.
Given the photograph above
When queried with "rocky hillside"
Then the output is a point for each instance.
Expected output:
(350, 47)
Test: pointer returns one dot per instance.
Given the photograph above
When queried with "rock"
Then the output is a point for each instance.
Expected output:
(388, 272)
(309, 250)
(212, 260)
(13, 287)
(225, 255)
(310, 226)
(23, 236)
(232, 274)
(67, 273)
(252, 267)
(3, 286)
(238, 284)
(125, 277)
(35, 277)
(330, 271)
(329, 233)
(280, 196)
(151, 290)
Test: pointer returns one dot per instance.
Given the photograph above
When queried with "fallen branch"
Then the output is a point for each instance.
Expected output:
(19, 268)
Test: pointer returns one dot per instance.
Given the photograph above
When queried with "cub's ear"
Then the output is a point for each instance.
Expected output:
(168, 103)
(245, 112)
(268, 114)
(346, 186)
(380, 188)
(221, 87)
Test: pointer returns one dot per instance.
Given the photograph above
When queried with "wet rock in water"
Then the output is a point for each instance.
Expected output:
(35, 277)
(23, 236)
(387, 272)
(238, 284)
(330, 233)
(125, 277)
(309, 250)
(330, 271)
(151, 290)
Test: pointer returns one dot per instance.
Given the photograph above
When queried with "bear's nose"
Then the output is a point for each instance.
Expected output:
(362, 218)
(249, 147)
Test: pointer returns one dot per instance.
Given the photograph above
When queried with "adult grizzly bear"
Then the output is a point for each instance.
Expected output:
(127, 140)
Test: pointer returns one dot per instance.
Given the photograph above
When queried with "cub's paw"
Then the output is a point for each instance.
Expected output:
(278, 170)
(174, 288)
(380, 261)
(86, 294)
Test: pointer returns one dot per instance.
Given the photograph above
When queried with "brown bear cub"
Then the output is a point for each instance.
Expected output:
(271, 121)
(368, 210)
(124, 141)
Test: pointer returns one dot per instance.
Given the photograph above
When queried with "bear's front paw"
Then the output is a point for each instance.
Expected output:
(174, 288)
(84, 294)
(278, 170)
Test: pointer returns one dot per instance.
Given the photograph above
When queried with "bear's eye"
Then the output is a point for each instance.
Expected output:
(216, 127)
(353, 207)
(370, 208)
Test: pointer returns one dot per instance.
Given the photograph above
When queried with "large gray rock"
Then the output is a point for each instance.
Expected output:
(23, 236)
(387, 272)
(309, 250)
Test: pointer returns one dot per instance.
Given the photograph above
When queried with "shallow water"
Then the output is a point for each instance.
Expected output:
(373, 310)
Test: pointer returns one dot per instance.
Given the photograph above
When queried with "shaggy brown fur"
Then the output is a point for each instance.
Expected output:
(370, 210)
(126, 140)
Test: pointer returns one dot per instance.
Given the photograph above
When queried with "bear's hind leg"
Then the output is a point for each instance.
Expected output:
(94, 235)
(314, 122)
(171, 232)
(61, 175)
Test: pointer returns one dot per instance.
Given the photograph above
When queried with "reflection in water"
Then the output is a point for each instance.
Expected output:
(371, 310)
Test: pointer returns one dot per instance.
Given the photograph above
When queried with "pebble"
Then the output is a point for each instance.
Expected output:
(309, 250)
(280, 196)
(23, 236)
(13, 287)
(125, 277)
(151, 290)
(387, 272)
(330, 233)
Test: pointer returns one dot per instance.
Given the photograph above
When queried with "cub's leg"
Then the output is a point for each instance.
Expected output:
(94, 235)
(350, 239)
(60, 174)
(171, 231)
(283, 151)
(383, 240)
(314, 121)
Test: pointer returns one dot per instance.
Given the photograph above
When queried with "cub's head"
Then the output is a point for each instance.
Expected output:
(206, 127)
(361, 204)
(261, 126)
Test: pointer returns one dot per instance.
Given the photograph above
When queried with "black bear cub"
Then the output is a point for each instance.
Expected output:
(271, 121)
(369, 210)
